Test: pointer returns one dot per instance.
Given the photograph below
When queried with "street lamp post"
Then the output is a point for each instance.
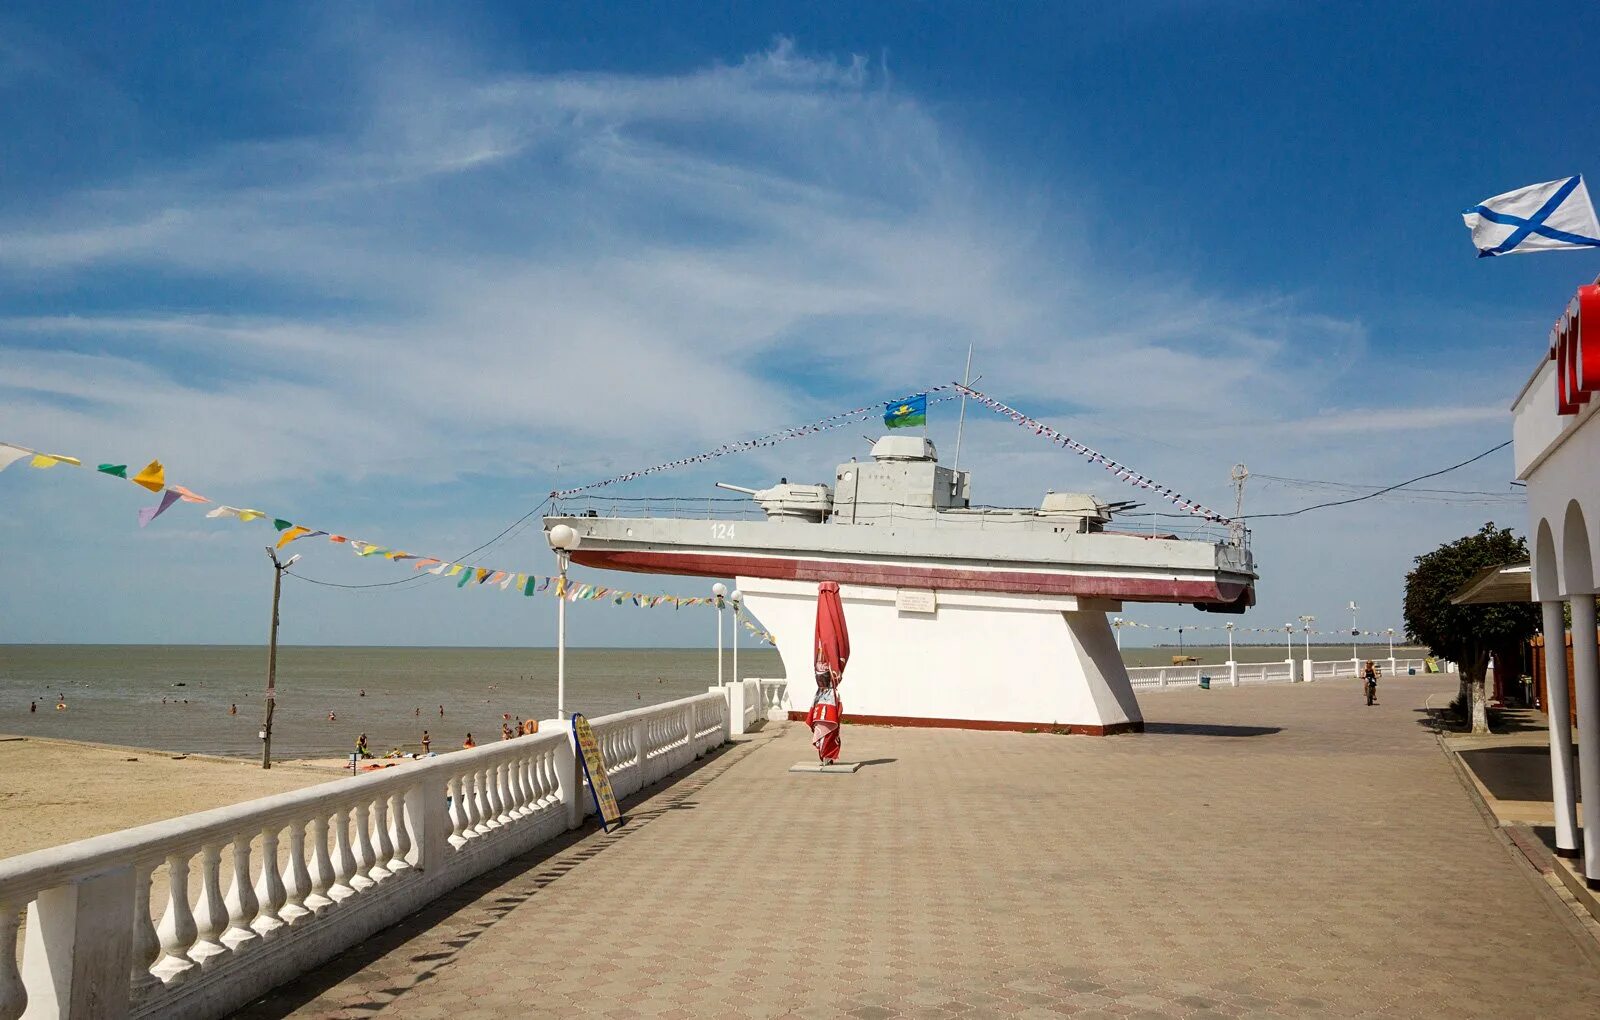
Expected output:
(1233, 667)
(1390, 632)
(1288, 636)
(1355, 656)
(1116, 628)
(737, 598)
(719, 591)
(563, 539)
(1305, 625)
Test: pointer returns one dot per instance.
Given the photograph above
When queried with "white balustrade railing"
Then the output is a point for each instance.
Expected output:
(774, 699)
(1156, 678)
(197, 915)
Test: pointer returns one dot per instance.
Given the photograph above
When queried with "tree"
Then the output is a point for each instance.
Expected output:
(1469, 635)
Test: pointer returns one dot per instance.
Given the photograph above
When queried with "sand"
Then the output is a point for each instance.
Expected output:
(58, 791)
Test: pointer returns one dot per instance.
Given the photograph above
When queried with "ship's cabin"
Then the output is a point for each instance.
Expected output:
(904, 482)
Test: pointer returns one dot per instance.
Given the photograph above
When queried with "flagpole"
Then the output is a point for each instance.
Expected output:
(961, 421)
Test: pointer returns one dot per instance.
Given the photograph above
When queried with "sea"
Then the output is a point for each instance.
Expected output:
(209, 699)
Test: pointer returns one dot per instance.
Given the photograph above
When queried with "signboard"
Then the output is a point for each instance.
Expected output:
(594, 769)
(914, 600)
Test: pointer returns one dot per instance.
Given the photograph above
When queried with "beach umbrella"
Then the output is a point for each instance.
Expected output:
(832, 652)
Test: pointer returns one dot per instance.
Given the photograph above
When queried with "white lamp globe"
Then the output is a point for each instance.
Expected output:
(737, 596)
(719, 589)
(564, 537)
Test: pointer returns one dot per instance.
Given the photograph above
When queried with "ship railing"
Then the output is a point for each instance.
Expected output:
(197, 915)
(724, 508)
(1161, 678)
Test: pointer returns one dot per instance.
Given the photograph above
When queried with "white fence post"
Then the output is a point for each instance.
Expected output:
(1233, 674)
(569, 774)
(79, 947)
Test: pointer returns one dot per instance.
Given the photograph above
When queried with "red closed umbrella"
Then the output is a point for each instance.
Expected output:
(832, 652)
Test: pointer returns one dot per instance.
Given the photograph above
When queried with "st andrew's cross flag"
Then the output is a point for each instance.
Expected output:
(1540, 217)
(899, 414)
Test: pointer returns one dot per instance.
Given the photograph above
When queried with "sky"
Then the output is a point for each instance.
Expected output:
(398, 271)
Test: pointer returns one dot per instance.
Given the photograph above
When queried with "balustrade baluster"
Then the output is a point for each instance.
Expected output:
(177, 929)
(270, 893)
(522, 783)
(380, 839)
(211, 912)
(301, 902)
(13, 993)
(146, 944)
(497, 808)
(323, 878)
(400, 860)
(344, 861)
(364, 856)
(480, 803)
(241, 900)
(458, 812)
(469, 805)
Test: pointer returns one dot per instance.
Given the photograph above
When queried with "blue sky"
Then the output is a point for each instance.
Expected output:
(400, 270)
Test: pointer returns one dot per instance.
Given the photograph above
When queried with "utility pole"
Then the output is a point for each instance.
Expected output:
(272, 655)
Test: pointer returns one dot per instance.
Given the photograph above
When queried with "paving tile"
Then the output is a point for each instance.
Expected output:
(1261, 852)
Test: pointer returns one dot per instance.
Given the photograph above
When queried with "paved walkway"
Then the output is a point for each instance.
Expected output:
(1269, 851)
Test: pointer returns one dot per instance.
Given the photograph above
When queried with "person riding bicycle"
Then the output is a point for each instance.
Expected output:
(1370, 674)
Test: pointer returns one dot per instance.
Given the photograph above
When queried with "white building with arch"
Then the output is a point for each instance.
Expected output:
(1557, 443)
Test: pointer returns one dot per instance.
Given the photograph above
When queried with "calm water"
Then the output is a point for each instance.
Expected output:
(115, 693)
(177, 698)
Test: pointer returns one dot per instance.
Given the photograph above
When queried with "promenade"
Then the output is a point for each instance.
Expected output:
(1270, 851)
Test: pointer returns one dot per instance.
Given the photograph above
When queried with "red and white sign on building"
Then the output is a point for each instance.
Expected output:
(1575, 348)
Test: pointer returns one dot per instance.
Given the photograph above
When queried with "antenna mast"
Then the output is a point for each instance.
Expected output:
(1240, 475)
(961, 421)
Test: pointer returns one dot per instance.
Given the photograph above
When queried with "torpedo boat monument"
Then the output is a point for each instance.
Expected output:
(960, 615)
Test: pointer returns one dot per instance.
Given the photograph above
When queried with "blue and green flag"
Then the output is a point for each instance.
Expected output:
(899, 414)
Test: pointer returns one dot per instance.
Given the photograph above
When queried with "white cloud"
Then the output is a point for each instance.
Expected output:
(499, 273)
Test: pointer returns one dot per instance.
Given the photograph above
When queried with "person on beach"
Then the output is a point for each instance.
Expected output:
(505, 731)
(469, 743)
(427, 743)
(61, 706)
(361, 746)
(363, 692)
(233, 709)
(418, 713)
(33, 706)
(331, 717)
(441, 711)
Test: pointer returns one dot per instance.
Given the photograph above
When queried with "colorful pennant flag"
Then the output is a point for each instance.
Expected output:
(9, 455)
(153, 477)
(150, 513)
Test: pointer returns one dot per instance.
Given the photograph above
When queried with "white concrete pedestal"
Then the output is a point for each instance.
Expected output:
(958, 659)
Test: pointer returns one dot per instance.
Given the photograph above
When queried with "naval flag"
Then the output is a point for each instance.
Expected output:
(899, 414)
(1540, 217)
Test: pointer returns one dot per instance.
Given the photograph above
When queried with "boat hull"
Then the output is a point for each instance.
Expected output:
(1019, 581)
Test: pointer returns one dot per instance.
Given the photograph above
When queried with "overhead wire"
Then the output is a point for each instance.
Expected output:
(424, 578)
(1380, 492)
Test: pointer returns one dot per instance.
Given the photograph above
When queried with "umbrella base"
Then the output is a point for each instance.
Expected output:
(843, 768)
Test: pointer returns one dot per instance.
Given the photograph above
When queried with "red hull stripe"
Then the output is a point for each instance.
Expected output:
(1087, 729)
(894, 575)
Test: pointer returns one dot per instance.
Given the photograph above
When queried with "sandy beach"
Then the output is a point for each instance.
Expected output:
(68, 790)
